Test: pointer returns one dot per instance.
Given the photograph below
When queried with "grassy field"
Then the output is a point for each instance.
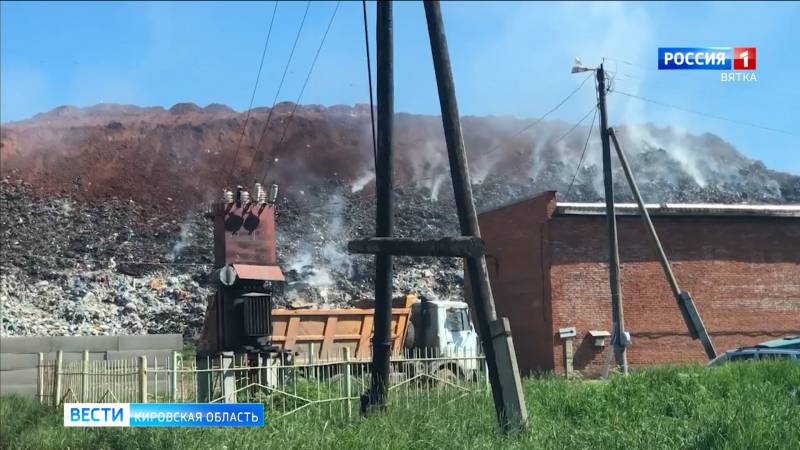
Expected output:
(743, 406)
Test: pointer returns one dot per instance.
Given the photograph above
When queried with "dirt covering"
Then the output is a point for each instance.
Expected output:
(102, 230)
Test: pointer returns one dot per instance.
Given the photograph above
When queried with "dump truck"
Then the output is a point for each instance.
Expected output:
(442, 327)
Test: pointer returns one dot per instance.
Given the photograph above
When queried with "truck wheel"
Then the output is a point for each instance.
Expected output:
(409, 341)
(445, 376)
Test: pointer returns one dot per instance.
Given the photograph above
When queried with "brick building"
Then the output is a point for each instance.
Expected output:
(548, 266)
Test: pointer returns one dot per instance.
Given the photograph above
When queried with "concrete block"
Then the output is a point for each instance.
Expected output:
(12, 361)
(25, 344)
(27, 390)
(81, 343)
(162, 357)
(151, 342)
(19, 376)
(78, 356)
(50, 358)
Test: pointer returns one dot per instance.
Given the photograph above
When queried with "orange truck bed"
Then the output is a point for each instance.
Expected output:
(329, 331)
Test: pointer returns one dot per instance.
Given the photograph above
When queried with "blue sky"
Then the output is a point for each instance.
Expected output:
(508, 58)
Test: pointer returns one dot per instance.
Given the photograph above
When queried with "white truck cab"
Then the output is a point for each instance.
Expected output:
(444, 328)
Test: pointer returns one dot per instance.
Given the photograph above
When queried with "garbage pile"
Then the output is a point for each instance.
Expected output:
(93, 244)
(73, 269)
(117, 268)
(313, 232)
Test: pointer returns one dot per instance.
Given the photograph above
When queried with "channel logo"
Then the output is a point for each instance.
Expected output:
(163, 414)
(97, 414)
(706, 58)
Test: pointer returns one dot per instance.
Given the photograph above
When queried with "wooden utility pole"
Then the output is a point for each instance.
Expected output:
(498, 346)
(495, 335)
(620, 339)
(384, 220)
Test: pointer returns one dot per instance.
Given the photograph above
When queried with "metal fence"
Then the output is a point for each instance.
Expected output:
(325, 388)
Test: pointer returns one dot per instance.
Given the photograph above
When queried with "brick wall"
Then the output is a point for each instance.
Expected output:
(550, 272)
(517, 270)
(744, 274)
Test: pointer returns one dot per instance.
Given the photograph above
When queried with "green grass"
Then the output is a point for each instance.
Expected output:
(738, 406)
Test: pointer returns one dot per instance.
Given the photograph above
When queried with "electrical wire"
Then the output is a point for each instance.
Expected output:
(537, 121)
(626, 62)
(583, 154)
(577, 124)
(278, 147)
(252, 96)
(280, 86)
(699, 113)
(369, 81)
(320, 207)
(316, 208)
(312, 208)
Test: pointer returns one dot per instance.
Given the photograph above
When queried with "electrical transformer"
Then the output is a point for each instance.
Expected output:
(246, 273)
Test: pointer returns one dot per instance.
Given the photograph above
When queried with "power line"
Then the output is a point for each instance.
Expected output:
(280, 86)
(500, 145)
(537, 121)
(303, 89)
(583, 153)
(626, 63)
(577, 124)
(713, 116)
(318, 207)
(369, 80)
(253, 95)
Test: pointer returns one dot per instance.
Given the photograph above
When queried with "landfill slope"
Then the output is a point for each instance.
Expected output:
(102, 227)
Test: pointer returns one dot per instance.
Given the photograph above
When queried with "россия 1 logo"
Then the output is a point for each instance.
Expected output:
(738, 63)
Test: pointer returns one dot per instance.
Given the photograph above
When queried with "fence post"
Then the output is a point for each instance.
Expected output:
(174, 375)
(142, 379)
(486, 376)
(260, 365)
(228, 372)
(203, 364)
(40, 378)
(311, 371)
(57, 377)
(84, 376)
(347, 381)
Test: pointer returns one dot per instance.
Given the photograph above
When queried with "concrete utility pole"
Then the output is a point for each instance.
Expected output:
(694, 323)
(384, 224)
(619, 338)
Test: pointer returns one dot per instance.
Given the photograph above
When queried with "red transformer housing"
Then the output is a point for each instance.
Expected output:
(246, 273)
(244, 234)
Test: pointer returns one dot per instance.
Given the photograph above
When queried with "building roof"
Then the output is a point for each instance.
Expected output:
(680, 209)
(656, 209)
